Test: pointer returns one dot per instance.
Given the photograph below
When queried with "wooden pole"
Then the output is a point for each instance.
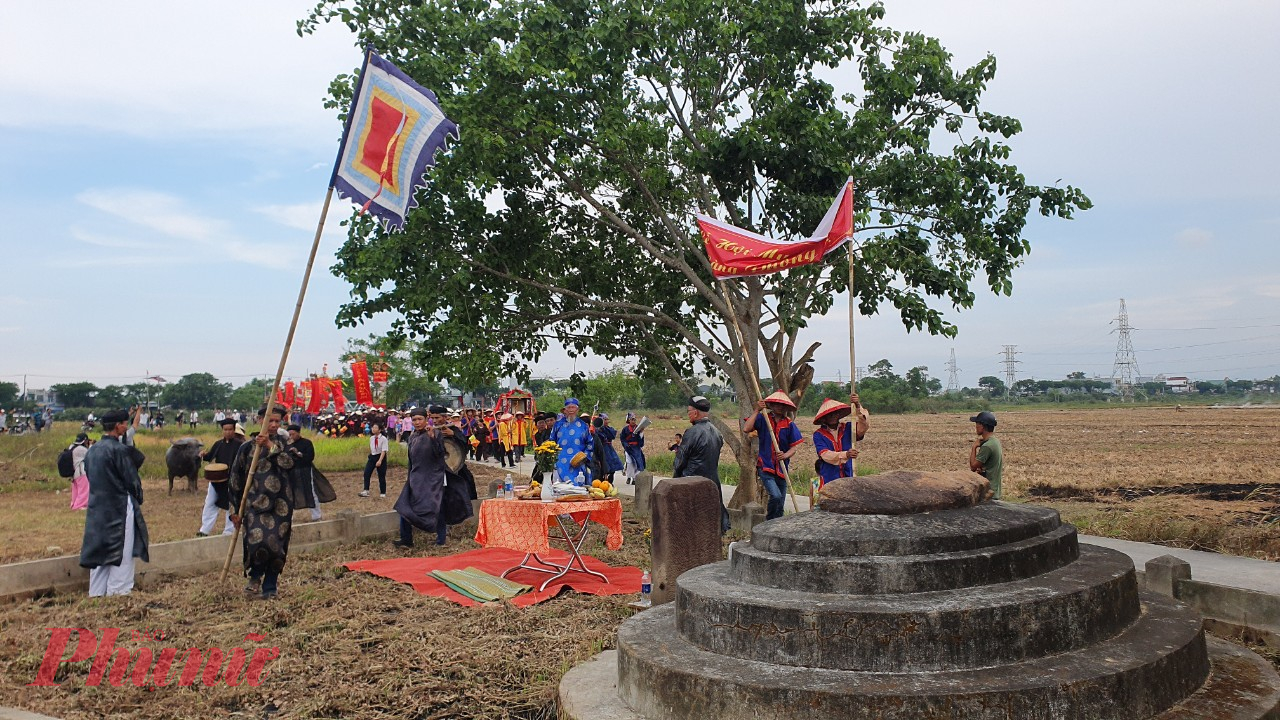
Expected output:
(275, 387)
(755, 384)
(853, 365)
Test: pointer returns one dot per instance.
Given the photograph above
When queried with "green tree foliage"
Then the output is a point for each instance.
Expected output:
(992, 385)
(76, 394)
(601, 128)
(9, 394)
(248, 396)
(112, 396)
(197, 391)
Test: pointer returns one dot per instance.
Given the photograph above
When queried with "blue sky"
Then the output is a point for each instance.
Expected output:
(162, 166)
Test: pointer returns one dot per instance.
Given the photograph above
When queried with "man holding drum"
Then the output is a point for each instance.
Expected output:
(219, 457)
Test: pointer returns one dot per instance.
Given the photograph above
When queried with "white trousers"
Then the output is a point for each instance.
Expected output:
(315, 511)
(116, 579)
(209, 515)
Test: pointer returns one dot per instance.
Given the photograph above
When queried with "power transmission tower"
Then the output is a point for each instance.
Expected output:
(858, 373)
(1125, 368)
(1010, 366)
(953, 380)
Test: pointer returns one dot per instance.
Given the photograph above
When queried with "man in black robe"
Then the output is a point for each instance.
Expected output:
(419, 501)
(217, 498)
(114, 531)
(268, 516)
(304, 459)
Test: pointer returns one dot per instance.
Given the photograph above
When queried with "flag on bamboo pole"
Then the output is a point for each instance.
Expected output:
(339, 400)
(289, 394)
(360, 381)
(735, 252)
(394, 129)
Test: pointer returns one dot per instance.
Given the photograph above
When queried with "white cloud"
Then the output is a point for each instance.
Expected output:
(10, 328)
(207, 238)
(1194, 237)
(91, 238)
(302, 216)
(160, 212)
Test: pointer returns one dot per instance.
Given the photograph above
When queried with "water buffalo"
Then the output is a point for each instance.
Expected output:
(183, 459)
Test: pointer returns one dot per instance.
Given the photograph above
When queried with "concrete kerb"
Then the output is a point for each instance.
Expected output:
(34, 578)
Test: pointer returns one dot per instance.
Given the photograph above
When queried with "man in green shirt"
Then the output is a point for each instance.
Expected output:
(986, 456)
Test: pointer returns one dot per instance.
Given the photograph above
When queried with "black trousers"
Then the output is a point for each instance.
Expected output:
(382, 473)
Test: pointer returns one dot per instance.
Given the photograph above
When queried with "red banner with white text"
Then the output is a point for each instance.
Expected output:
(360, 380)
(735, 252)
(339, 400)
(319, 394)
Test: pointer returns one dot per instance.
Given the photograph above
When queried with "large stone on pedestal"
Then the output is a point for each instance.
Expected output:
(644, 487)
(990, 612)
(903, 492)
(686, 531)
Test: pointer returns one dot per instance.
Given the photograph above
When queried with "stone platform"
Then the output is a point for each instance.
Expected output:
(992, 611)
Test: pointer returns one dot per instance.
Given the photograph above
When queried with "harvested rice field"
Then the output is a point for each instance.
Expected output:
(352, 645)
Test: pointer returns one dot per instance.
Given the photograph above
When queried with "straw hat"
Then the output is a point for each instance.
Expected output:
(506, 416)
(781, 398)
(829, 408)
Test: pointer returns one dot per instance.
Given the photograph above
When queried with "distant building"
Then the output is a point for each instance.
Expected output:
(1177, 384)
(43, 398)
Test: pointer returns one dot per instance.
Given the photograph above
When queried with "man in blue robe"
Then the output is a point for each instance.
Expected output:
(633, 446)
(573, 435)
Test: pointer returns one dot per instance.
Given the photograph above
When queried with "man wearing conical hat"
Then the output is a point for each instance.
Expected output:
(834, 439)
(771, 463)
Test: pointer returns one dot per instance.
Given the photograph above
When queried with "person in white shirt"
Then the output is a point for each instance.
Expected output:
(378, 448)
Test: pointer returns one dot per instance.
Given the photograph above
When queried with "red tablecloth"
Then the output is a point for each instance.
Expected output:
(522, 524)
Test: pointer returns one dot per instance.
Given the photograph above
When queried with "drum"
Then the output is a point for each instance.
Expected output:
(644, 423)
(578, 459)
(216, 472)
(455, 452)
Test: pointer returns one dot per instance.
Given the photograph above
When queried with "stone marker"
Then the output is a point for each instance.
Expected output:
(1164, 572)
(644, 486)
(745, 518)
(902, 492)
(686, 531)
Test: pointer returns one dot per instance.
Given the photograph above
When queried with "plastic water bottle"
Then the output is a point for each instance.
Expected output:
(646, 587)
(506, 487)
(500, 492)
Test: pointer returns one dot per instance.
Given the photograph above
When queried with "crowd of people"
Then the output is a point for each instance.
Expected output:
(18, 422)
(107, 484)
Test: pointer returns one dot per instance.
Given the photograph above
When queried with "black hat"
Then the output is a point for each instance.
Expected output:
(439, 410)
(985, 418)
(295, 428)
(700, 403)
(418, 412)
(228, 421)
(112, 417)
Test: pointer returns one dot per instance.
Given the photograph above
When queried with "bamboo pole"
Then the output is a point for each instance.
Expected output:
(755, 384)
(275, 387)
(853, 365)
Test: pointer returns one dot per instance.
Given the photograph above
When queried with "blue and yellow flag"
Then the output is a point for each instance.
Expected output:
(394, 129)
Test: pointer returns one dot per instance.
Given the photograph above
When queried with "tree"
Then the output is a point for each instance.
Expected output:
(111, 396)
(992, 384)
(1077, 375)
(76, 394)
(602, 127)
(249, 396)
(8, 394)
(198, 391)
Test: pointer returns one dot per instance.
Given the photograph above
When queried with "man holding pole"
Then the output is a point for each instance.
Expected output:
(834, 440)
(268, 504)
(771, 464)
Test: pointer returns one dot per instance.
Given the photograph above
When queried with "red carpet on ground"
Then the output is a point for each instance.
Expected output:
(416, 572)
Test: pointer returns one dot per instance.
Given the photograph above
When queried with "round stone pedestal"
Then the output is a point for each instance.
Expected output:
(987, 612)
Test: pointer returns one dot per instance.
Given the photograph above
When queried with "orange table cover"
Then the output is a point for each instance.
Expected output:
(522, 524)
